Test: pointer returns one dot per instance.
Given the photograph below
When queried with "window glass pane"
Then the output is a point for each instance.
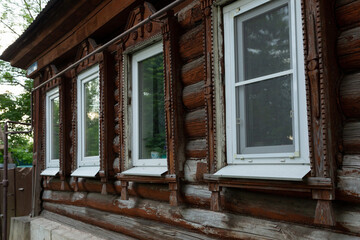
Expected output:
(266, 113)
(266, 43)
(55, 128)
(91, 118)
(152, 142)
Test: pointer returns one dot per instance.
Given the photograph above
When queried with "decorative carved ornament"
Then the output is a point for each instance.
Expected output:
(142, 37)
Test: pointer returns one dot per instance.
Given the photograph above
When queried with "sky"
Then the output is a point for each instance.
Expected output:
(6, 39)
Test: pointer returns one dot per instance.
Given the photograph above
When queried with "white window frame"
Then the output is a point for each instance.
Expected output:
(50, 95)
(84, 77)
(136, 58)
(301, 154)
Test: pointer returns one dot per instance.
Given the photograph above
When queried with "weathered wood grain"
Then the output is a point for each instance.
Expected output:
(350, 95)
(351, 137)
(134, 227)
(190, 44)
(340, 3)
(348, 14)
(190, 15)
(193, 96)
(196, 149)
(193, 71)
(195, 126)
(224, 225)
(349, 41)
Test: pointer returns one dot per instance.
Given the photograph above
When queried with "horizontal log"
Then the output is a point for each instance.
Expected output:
(350, 95)
(349, 41)
(191, 44)
(340, 3)
(350, 62)
(193, 71)
(351, 137)
(134, 227)
(196, 148)
(194, 96)
(195, 125)
(190, 15)
(218, 224)
(348, 14)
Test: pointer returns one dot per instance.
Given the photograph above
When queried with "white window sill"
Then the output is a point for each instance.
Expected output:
(146, 171)
(52, 171)
(86, 172)
(265, 172)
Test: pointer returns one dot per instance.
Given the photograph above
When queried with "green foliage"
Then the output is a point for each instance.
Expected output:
(15, 17)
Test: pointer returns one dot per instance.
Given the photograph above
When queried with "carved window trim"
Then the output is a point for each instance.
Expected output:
(321, 181)
(128, 110)
(259, 166)
(163, 30)
(106, 120)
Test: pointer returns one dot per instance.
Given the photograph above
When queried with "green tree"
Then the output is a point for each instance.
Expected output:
(15, 17)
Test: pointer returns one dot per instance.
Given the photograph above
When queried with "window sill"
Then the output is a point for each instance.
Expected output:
(53, 171)
(86, 172)
(146, 171)
(265, 172)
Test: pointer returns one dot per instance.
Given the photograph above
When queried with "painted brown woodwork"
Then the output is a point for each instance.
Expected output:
(351, 137)
(189, 217)
(347, 14)
(187, 49)
(196, 149)
(193, 95)
(195, 125)
(190, 15)
(350, 95)
(349, 41)
(350, 62)
(193, 72)
(172, 88)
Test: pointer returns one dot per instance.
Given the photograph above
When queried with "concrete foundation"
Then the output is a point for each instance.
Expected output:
(39, 228)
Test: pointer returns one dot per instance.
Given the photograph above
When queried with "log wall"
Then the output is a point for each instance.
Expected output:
(246, 213)
(348, 49)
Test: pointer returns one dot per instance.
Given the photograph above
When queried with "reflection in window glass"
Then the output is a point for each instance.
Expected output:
(54, 128)
(151, 108)
(266, 43)
(91, 117)
(264, 108)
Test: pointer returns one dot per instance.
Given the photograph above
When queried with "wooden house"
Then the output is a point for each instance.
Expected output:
(219, 119)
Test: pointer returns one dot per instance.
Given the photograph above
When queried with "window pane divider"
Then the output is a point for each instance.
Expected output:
(267, 77)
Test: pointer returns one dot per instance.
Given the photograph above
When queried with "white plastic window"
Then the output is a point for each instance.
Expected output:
(52, 128)
(266, 118)
(148, 125)
(88, 106)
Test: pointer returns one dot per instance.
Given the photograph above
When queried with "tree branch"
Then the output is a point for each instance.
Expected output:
(9, 27)
(28, 9)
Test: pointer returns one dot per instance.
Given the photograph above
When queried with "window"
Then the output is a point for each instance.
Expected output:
(148, 113)
(88, 109)
(266, 118)
(52, 133)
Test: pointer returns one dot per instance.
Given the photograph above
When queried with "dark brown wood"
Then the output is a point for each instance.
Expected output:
(196, 149)
(193, 96)
(190, 15)
(321, 84)
(351, 138)
(195, 124)
(188, 50)
(192, 72)
(348, 14)
(350, 95)
(349, 41)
